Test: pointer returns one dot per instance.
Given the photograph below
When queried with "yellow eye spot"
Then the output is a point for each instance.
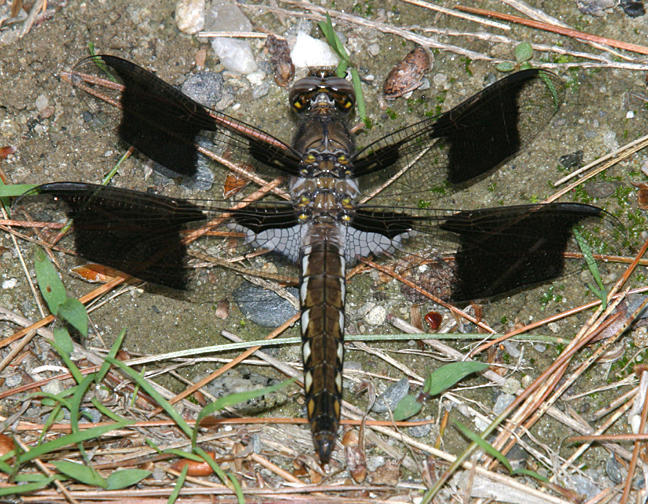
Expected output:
(302, 217)
(342, 159)
(346, 218)
(348, 104)
(310, 158)
(297, 105)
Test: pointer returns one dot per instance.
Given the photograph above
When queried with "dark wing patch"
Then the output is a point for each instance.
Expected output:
(164, 124)
(261, 217)
(389, 224)
(134, 232)
(464, 143)
(502, 249)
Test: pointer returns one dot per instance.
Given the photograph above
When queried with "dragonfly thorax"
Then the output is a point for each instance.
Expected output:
(324, 199)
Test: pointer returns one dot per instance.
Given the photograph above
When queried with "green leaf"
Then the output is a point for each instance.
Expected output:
(74, 313)
(49, 282)
(61, 334)
(126, 478)
(407, 407)
(446, 376)
(523, 52)
(80, 472)
(555, 95)
(15, 190)
(75, 407)
(63, 341)
(505, 66)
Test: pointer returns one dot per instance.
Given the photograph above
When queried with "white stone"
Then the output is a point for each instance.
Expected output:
(256, 78)
(376, 316)
(190, 15)
(312, 52)
(234, 54)
(10, 283)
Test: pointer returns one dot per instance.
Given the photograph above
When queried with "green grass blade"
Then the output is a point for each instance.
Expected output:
(148, 388)
(484, 445)
(69, 440)
(601, 291)
(173, 496)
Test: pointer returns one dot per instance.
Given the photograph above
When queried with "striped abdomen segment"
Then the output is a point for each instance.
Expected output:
(322, 325)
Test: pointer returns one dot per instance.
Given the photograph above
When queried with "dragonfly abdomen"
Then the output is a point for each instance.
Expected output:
(322, 304)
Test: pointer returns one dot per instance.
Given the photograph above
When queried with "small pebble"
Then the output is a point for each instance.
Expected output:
(503, 400)
(572, 160)
(12, 381)
(511, 386)
(52, 387)
(190, 15)
(235, 54)
(374, 463)
(511, 348)
(376, 316)
(391, 396)
(9, 283)
(42, 103)
(554, 327)
(419, 431)
(204, 87)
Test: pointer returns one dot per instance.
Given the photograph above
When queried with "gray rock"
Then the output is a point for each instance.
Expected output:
(390, 397)
(263, 307)
(204, 87)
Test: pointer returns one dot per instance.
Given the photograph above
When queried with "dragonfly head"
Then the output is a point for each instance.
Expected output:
(322, 89)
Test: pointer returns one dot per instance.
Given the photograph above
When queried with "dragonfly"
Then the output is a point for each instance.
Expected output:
(330, 203)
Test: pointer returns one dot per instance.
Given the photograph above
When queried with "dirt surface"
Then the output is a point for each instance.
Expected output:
(42, 117)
